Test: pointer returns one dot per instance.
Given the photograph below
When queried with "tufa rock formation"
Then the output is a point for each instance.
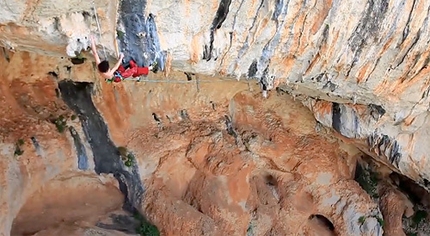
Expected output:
(201, 153)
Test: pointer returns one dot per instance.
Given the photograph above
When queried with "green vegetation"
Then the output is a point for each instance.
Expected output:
(129, 161)
(368, 180)
(120, 34)
(20, 142)
(416, 223)
(362, 219)
(61, 123)
(380, 221)
(145, 227)
(126, 156)
(18, 150)
(250, 230)
(418, 217)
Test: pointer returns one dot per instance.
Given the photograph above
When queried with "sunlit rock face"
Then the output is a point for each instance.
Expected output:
(53, 28)
(219, 152)
(364, 63)
(360, 67)
(372, 54)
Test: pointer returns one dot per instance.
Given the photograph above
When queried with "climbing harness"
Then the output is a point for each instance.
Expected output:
(116, 74)
(99, 28)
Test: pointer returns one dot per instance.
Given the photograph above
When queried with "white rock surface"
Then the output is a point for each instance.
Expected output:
(54, 28)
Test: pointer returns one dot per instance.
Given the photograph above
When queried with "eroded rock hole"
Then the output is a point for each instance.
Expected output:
(66, 200)
(86, 15)
(270, 180)
(168, 118)
(213, 105)
(323, 221)
(53, 73)
(77, 60)
(184, 114)
(420, 198)
(156, 118)
(416, 193)
(189, 78)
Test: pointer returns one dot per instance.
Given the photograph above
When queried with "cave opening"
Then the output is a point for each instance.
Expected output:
(322, 221)
(420, 198)
(65, 200)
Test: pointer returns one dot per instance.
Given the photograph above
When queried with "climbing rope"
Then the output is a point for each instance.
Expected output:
(99, 28)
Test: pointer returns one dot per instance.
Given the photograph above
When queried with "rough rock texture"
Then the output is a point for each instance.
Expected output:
(369, 53)
(393, 206)
(266, 180)
(218, 161)
(48, 26)
(359, 66)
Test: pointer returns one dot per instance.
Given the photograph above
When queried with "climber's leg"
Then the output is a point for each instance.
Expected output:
(129, 72)
(141, 71)
(133, 64)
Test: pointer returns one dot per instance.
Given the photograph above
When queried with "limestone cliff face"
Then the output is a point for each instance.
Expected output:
(56, 28)
(359, 66)
(365, 55)
(209, 159)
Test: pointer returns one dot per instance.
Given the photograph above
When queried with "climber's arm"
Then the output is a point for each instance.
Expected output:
(118, 63)
(111, 71)
(94, 49)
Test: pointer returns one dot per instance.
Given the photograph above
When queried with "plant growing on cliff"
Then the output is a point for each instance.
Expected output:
(129, 161)
(60, 123)
(368, 180)
(380, 221)
(145, 228)
(418, 217)
(126, 156)
(120, 34)
(362, 219)
(18, 150)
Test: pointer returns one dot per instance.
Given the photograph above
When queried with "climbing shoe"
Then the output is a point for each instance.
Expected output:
(154, 67)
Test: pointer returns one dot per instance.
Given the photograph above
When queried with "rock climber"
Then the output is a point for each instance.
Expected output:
(134, 70)
(103, 66)
(119, 72)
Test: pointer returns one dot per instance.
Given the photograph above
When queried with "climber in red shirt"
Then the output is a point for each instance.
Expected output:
(119, 72)
(134, 70)
(103, 66)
